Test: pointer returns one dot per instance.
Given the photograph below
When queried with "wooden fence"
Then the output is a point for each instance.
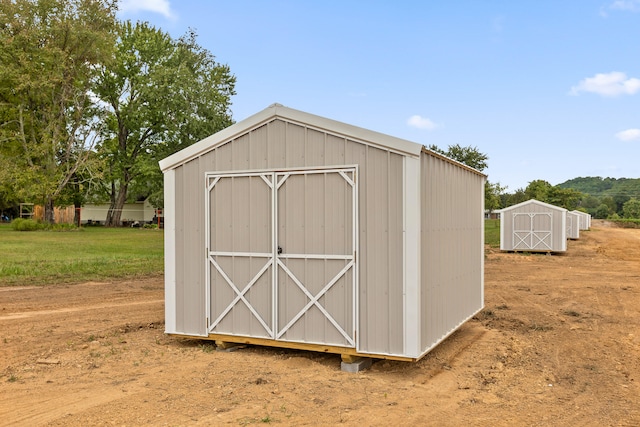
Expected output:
(60, 215)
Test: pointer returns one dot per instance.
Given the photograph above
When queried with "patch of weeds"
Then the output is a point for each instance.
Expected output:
(91, 338)
(572, 313)
(540, 328)
(207, 348)
(266, 419)
(485, 314)
(502, 307)
(12, 378)
(286, 413)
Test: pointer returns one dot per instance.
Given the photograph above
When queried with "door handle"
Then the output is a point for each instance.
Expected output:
(279, 250)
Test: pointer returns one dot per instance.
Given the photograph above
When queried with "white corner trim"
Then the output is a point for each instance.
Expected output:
(411, 253)
(169, 212)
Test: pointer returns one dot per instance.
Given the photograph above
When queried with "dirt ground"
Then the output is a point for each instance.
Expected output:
(558, 344)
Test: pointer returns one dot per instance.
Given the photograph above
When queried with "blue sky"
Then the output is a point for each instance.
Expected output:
(547, 89)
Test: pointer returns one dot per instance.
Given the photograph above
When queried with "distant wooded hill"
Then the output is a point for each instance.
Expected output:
(597, 186)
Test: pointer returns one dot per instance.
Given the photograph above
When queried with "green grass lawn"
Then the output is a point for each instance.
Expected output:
(97, 253)
(492, 232)
(92, 253)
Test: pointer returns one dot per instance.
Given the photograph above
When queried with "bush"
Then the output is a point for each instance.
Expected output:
(21, 224)
(627, 223)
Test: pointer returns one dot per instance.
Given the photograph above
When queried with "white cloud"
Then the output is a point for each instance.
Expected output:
(421, 123)
(629, 135)
(631, 5)
(158, 6)
(623, 5)
(611, 84)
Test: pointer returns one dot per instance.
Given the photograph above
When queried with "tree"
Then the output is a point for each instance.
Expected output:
(567, 198)
(631, 209)
(49, 52)
(492, 193)
(514, 198)
(611, 204)
(470, 156)
(160, 95)
(603, 211)
(538, 189)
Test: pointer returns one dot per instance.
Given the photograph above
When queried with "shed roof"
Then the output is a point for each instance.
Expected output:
(275, 111)
(532, 201)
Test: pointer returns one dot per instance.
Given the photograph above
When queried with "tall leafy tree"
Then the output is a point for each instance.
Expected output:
(567, 198)
(538, 189)
(470, 156)
(49, 54)
(160, 95)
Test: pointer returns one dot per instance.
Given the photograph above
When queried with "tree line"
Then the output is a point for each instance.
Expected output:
(618, 202)
(607, 198)
(89, 104)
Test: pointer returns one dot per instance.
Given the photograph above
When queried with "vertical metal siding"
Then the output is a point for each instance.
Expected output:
(190, 308)
(452, 240)
(381, 304)
(280, 144)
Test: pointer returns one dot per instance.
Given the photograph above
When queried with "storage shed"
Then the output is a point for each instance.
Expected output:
(292, 230)
(585, 219)
(533, 226)
(573, 225)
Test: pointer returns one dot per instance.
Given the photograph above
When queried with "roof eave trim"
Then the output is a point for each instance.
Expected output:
(453, 161)
(278, 111)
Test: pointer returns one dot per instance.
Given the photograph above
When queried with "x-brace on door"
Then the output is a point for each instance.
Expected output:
(281, 252)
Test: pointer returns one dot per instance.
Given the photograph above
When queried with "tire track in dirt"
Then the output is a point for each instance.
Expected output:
(29, 314)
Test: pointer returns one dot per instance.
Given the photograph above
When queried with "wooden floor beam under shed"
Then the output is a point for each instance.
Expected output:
(345, 352)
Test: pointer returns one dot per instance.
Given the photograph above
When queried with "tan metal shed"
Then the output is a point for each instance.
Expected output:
(293, 230)
(533, 226)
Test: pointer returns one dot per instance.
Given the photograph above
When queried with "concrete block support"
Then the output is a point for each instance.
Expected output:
(356, 364)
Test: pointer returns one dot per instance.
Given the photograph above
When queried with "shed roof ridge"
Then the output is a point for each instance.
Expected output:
(538, 202)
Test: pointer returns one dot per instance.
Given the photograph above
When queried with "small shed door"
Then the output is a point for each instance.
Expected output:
(281, 251)
(532, 231)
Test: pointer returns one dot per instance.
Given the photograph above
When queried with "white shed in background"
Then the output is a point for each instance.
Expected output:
(533, 226)
(292, 230)
(585, 219)
(573, 225)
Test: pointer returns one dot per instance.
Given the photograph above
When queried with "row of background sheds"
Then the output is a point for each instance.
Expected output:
(534, 226)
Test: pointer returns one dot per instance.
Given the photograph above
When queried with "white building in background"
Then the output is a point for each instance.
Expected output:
(142, 212)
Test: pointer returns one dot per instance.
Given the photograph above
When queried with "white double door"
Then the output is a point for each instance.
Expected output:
(281, 255)
(532, 231)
